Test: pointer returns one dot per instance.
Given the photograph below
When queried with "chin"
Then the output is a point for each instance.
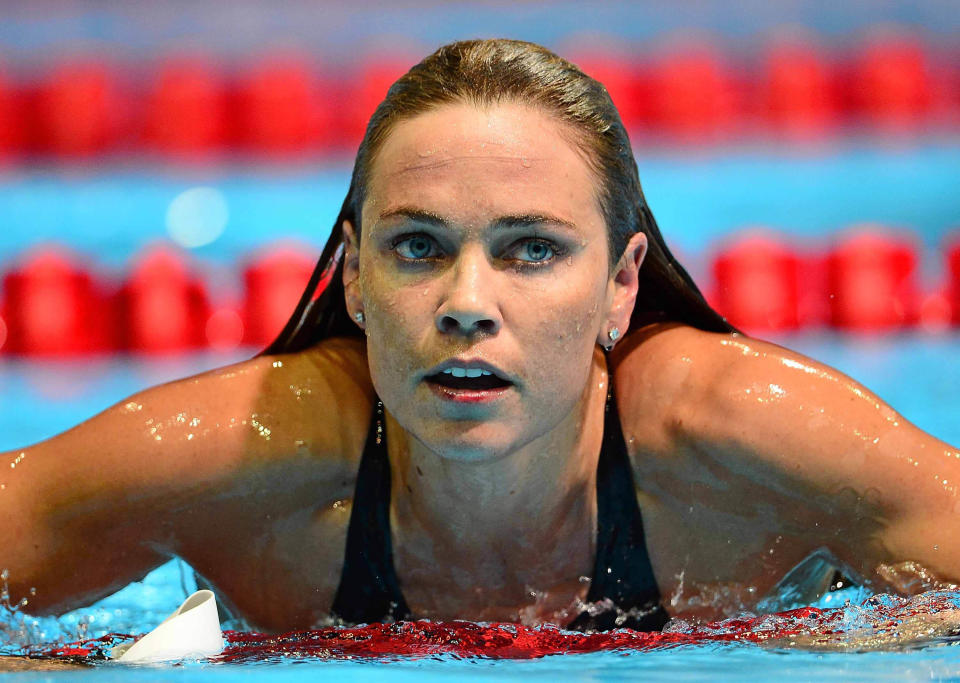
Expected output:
(477, 443)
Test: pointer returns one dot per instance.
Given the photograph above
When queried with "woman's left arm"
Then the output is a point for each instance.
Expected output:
(840, 467)
(816, 424)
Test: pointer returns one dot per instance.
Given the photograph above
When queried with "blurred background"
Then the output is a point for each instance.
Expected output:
(169, 170)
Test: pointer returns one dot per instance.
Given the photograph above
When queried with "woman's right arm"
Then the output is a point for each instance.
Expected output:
(179, 465)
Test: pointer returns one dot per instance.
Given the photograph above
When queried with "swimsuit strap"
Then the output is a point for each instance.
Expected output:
(369, 590)
(622, 572)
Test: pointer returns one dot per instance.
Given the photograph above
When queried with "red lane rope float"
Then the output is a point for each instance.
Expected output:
(273, 284)
(953, 288)
(78, 110)
(798, 93)
(626, 82)
(12, 137)
(693, 94)
(283, 104)
(758, 283)
(891, 84)
(163, 306)
(872, 281)
(356, 103)
(53, 306)
(186, 112)
(281, 109)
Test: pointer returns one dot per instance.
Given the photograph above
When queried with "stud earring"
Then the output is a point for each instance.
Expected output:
(359, 317)
(614, 334)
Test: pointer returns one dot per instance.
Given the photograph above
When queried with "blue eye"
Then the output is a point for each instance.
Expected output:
(416, 247)
(533, 251)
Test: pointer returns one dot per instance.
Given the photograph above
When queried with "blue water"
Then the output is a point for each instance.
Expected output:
(918, 374)
(698, 196)
(338, 31)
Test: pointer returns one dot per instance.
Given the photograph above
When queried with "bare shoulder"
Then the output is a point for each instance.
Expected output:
(323, 397)
(659, 372)
(771, 415)
(675, 382)
(752, 441)
(176, 468)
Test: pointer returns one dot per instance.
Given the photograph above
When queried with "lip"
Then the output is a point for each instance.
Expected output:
(468, 395)
(457, 395)
(470, 363)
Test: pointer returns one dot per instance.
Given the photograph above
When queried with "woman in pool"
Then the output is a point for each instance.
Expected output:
(568, 432)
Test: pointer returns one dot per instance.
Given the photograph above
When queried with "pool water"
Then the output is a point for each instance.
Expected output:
(919, 375)
(808, 192)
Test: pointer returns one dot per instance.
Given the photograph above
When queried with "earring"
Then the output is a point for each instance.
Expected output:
(614, 334)
(359, 317)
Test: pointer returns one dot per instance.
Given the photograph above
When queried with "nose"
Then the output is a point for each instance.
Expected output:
(469, 305)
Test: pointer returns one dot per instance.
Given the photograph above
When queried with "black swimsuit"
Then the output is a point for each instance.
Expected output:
(369, 590)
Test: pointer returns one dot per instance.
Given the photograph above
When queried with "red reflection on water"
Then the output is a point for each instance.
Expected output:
(468, 639)
(837, 628)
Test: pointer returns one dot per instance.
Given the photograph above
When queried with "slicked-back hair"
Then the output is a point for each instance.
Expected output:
(484, 73)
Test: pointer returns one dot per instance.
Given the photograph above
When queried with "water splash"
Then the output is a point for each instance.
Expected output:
(881, 622)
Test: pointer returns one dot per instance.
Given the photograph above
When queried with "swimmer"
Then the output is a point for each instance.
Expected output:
(510, 403)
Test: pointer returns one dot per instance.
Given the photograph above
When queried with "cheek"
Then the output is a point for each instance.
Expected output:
(395, 324)
(565, 312)
(559, 330)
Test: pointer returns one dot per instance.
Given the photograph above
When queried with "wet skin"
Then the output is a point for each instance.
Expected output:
(481, 243)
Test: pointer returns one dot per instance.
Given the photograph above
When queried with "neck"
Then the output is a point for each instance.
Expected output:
(515, 519)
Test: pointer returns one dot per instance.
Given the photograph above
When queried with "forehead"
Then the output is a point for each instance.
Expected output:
(467, 161)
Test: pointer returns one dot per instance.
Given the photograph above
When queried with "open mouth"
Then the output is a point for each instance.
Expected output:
(465, 379)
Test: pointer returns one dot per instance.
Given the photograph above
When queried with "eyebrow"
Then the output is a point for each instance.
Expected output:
(524, 220)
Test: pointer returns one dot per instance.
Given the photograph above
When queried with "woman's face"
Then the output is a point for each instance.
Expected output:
(483, 274)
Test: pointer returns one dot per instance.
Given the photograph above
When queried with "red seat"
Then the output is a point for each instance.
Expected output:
(186, 108)
(78, 109)
(273, 283)
(693, 96)
(281, 110)
(872, 281)
(55, 307)
(164, 306)
(798, 90)
(891, 83)
(757, 283)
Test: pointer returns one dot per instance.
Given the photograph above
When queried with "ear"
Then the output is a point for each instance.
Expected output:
(353, 296)
(622, 290)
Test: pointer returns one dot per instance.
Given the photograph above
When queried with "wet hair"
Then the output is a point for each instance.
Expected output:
(484, 73)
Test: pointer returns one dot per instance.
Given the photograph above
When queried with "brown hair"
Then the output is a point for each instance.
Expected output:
(484, 72)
